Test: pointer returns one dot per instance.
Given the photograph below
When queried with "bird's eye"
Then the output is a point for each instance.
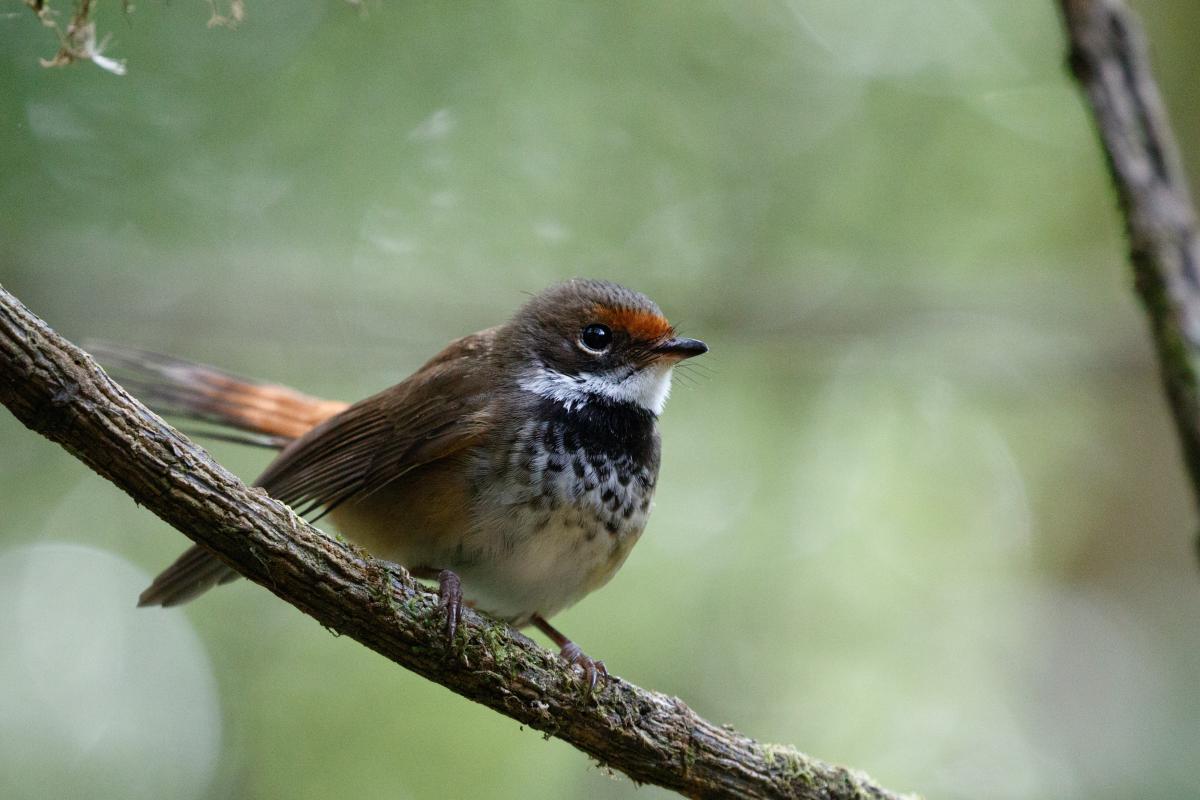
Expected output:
(596, 338)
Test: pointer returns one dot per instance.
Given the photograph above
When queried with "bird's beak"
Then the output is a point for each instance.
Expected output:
(679, 348)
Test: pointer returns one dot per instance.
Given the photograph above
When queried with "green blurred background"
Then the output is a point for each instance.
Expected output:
(921, 509)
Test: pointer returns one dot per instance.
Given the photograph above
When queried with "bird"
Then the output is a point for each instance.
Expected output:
(516, 467)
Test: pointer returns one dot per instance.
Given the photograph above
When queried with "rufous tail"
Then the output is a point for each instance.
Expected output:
(271, 414)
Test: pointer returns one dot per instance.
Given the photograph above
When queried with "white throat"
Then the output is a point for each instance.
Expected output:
(647, 387)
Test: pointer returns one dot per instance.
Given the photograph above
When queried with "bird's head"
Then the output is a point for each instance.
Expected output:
(585, 341)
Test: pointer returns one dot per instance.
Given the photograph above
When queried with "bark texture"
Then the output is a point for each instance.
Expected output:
(56, 389)
(1108, 57)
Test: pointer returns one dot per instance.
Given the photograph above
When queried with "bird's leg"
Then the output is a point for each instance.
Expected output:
(450, 596)
(570, 652)
(450, 600)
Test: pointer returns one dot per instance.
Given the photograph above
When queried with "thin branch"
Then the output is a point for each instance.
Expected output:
(56, 389)
(1108, 57)
(78, 41)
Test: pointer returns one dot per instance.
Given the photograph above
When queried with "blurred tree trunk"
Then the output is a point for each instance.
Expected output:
(1109, 59)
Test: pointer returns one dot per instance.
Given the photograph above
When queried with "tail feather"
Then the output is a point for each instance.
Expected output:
(258, 413)
(275, 414)
(192, 574)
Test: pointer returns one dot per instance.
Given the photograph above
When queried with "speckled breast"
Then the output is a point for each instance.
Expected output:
(568, 502)
(598, 464)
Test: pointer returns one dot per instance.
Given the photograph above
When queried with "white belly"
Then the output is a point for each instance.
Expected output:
(542, 570)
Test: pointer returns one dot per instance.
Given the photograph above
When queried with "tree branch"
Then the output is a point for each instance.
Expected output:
(78, 41)
(56, 389)
(1108, 57)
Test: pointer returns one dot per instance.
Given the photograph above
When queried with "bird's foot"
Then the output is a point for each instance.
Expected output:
(570, 652)
(450, 601)
(592, 668)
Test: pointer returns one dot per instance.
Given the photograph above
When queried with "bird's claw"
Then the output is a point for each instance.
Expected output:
(450, 601)
(592, 668)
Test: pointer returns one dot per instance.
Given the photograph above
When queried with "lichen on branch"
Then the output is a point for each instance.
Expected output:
(78, 40)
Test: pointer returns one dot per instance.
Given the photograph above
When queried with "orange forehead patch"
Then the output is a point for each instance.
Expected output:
(644, 325)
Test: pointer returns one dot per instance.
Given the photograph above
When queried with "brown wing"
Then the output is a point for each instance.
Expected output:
(438, 411)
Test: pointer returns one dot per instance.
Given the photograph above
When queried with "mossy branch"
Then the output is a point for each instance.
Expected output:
(1109, 60)
(57, 390)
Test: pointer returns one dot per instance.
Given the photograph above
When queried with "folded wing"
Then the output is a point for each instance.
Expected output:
(345, 455)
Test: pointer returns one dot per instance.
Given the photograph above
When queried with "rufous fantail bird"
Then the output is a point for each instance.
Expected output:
(516, 467)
